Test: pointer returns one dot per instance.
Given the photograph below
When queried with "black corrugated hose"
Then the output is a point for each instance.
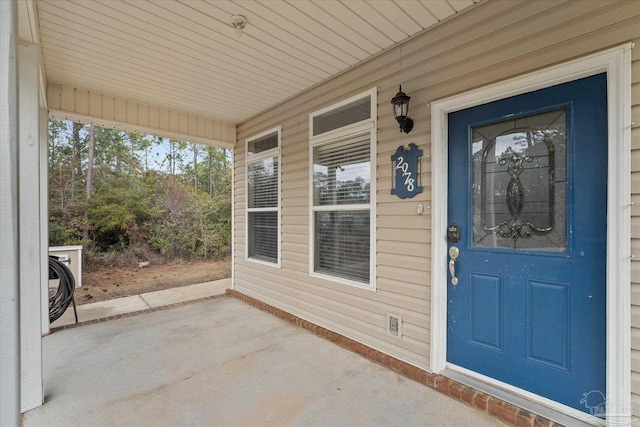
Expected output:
(60, 301)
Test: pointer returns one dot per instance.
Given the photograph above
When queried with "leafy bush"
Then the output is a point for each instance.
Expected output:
(136, 214)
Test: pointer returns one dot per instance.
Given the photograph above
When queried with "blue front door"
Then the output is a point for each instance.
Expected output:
(528, 193)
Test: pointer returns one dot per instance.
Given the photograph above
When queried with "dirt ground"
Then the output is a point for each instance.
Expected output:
(116, 283)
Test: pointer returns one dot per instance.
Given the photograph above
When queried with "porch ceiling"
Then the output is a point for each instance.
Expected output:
(184, 54)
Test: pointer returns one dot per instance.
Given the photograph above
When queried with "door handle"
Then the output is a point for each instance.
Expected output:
(453, 255)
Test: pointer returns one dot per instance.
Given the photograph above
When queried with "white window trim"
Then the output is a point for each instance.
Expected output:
(274, 152)
(364, 127)
(616, 63)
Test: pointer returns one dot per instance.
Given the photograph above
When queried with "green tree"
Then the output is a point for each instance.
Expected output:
(181, 211)
(117, 211)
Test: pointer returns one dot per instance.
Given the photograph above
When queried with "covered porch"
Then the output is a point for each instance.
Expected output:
(184, 70)
(252, 76)
(223, 362)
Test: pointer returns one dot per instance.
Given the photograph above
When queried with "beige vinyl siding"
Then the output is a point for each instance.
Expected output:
(73, 103)
(488, 43)
(635, 228)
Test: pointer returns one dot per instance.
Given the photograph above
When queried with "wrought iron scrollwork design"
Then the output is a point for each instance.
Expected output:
(515, 227)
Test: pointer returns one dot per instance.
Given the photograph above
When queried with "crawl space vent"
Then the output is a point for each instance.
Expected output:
(394, 325)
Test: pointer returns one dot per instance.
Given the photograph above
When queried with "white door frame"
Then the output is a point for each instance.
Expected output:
(616, 63)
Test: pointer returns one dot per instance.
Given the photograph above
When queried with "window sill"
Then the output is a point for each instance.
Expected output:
(365, 286)
(267, 263)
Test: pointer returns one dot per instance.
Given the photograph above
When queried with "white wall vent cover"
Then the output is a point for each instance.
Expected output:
(394, 325)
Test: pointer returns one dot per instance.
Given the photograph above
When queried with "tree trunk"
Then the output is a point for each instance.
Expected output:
(61, 198)
(75, 143)
(210, 162)
(172, 170)
(195, 168)
(133, 154)
(92, 143)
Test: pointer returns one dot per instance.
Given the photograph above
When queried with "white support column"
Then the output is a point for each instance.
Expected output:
(10, 281)
(44, 218)
(30, 234)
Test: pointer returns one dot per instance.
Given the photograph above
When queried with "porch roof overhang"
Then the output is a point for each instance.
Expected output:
(178, 68)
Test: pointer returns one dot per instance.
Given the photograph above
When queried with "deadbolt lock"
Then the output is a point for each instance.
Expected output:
(453, 233)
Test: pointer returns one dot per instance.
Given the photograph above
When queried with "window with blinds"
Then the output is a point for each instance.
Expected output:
(263, 197)
(341, 170)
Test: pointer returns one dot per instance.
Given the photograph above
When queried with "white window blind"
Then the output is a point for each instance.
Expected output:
(263, 183)
(343, 244)
(263, 197)
(341, 208)
(263, 236)
(341, 172)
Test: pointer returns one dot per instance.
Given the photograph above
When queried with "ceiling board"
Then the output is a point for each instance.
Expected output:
(377, 20)
(185, 54)
(439, 9)
(417, 12)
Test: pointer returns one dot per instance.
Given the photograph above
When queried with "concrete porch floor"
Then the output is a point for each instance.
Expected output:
(223, 362)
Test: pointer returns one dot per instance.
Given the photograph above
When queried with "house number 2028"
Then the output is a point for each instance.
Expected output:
(406, 172)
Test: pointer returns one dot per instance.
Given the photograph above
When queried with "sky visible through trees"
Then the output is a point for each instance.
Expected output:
(143, 196)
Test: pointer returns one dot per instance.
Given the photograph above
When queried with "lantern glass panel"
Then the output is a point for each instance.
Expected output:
(397, 109)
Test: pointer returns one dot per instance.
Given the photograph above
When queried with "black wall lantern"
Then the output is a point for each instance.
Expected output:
(401, 110)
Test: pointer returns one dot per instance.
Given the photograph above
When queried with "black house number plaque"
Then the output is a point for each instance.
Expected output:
(406, 179)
